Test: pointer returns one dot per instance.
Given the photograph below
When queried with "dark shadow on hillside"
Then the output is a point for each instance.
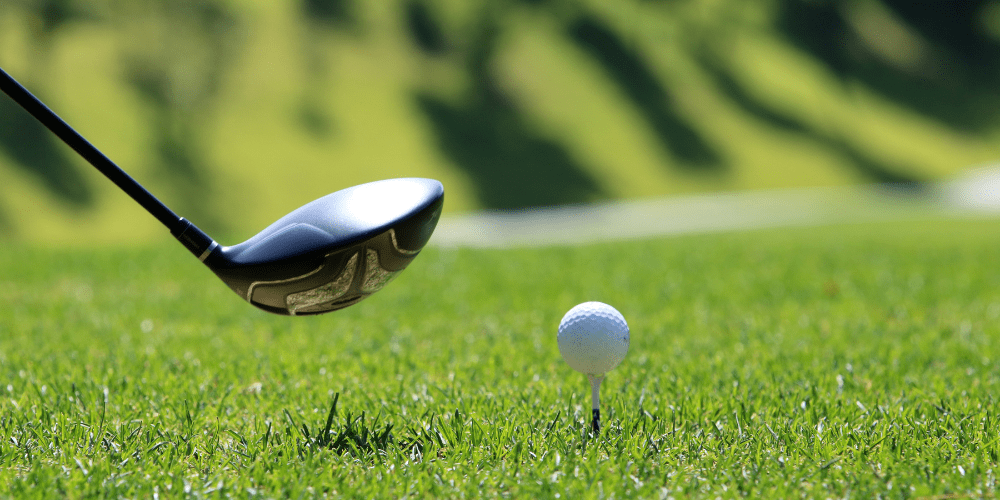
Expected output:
(511, 163)
(867, 168)
(177, 147)
(629, 71)
(956, 27)
(329, 13)
(51, 16)
(424, 29)
(180, 80)
(7, 229)
(28, 144)
(512, 166)
(872, 169)
(41, 154)
(320, 19)
(949, 70)
(749, 103)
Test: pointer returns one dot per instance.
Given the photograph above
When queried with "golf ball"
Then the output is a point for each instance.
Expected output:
(593, 338)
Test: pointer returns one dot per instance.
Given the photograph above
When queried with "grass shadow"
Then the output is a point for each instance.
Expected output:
(38, 152)
(423, 28)
(357, 436)
(29, 145)
(180, 80)
(319, 19)
(629, 71)
(512, 164)
(177, 148)
(329, 13)
(932, 57)
(864, 165)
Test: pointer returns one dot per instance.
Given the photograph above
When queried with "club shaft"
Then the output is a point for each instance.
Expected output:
(73, 139)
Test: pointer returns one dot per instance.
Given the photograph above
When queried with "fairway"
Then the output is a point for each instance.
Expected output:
(852, 360)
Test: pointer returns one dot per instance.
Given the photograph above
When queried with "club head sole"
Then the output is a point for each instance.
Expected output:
(335, 251)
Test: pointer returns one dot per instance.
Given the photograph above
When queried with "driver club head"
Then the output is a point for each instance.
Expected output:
(334, 251)
(324, 256)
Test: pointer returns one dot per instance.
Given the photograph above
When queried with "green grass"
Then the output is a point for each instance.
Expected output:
(855, 360)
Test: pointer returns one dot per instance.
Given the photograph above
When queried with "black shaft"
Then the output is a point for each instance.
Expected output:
(61, 129)
(595, 423)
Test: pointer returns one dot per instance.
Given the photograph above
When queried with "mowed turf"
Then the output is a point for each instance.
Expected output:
(854, 360)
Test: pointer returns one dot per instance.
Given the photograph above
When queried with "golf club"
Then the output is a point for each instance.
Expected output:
(324, 256)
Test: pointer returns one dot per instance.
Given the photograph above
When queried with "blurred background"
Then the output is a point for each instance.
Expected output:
(235, 112)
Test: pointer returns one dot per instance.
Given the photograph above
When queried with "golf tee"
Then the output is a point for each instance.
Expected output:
(595, 398)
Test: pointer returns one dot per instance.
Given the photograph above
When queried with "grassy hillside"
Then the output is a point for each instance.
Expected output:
(237, 112)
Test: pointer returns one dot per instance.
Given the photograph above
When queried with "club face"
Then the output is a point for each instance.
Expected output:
(335, 251)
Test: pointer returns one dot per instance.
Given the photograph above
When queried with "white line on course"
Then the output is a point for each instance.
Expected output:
(977, 194)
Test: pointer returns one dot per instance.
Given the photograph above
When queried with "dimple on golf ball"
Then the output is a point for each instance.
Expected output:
(593, 338)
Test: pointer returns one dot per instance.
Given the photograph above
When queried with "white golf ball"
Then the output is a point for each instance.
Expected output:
(593, 338)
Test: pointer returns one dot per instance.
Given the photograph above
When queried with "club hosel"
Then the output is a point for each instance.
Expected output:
(194, 239)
